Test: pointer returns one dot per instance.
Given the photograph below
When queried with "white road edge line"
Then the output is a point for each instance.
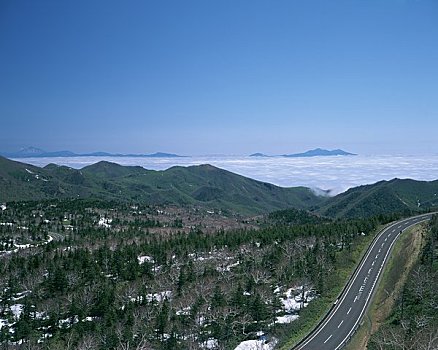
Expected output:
(349, 286)
(378, 274)
(338, 304)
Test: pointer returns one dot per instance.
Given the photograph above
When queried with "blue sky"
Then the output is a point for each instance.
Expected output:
(221, 77)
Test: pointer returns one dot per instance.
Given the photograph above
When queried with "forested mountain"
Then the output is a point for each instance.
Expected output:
(384, 197)
(84, 274)
(206, 186)
(203, 185)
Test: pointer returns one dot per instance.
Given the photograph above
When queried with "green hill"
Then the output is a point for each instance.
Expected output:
(203, 185)
(383, 197)
(206, 186)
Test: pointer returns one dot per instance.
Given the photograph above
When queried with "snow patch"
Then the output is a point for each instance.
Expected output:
(227, 268)
(17, 310)
(257, 345)
(104, 222)
(211, 343)
(145, 258)
(286, 318)
(158, 297)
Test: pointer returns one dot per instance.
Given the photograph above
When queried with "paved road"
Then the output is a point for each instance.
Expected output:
(344, 318)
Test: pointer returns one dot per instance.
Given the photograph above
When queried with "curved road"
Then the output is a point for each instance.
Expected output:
(342, 321)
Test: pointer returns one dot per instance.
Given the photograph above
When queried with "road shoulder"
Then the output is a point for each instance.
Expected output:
(401, 261)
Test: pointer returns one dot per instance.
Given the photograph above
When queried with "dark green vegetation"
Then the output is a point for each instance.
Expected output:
(414, 320)
(106, 282)
(115, 257)
(203, 185)
(384, 197)
(208, 187)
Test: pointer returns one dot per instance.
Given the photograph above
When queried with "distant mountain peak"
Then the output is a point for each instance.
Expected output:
(162, 155)
(320, 152)
(258, 154)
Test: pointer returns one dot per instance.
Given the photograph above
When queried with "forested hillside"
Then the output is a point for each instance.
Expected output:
(92, 275)
(208, 187)
(384, 197)
(204, 186)
(414, 321)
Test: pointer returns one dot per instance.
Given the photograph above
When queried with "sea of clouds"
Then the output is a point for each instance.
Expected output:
(328, 173)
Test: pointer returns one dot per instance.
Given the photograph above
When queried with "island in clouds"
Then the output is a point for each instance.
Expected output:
(317, 152)
(33, 152)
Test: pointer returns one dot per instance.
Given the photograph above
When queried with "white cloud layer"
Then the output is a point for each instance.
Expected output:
(328, 173)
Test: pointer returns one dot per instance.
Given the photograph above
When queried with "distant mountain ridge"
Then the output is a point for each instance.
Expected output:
(317, 152)
(33, 152)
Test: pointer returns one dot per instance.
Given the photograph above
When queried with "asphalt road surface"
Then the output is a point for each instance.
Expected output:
(340, 324)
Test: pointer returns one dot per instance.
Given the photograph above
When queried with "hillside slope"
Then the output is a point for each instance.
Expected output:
(203, 185)
(383, 197)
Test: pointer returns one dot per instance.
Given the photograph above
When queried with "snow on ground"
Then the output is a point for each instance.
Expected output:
(227, 268)
(292, 300)
(16, 310)
(3, 323)
(185, 311)
(292, 303)
(257, 345)
(145, 258)
(69, 321)
(20, 295)
(38, 177)
(286, 318)
(210, 344)
(104, 222)
(24, 246)
(159, 297)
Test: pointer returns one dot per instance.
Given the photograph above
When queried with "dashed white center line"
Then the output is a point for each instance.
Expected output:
(355, 298)
(341, 323)
(348, 310)
(328, 338)
(373, 263)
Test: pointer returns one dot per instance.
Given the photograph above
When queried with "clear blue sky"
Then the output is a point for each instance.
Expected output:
(228, 76)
